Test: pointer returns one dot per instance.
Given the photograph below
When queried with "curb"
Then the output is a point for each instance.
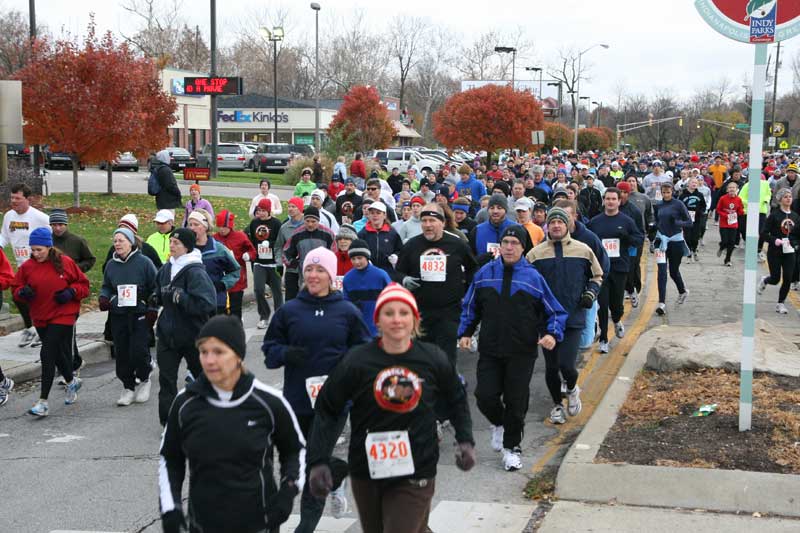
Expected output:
(579, 478)
(93, 352)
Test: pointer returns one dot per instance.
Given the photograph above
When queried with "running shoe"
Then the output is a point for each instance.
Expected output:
(634, 299)
(262, 324)
(728, 264)
(796, 286)
(762, 257)
(661, 309)
(142, 392)
(762, 284)
(339, 501)
(603, 346)
(574, 401)
(682, 296)
(36, 342)
(627, 295)
(780, 308)
(695, 257)
(40, 408)
(557, 415)
(71, 395)
(5, 387)
(619, 329)
(126, 398)
(497, 438)
(26, 337)
(719, 252)
(512, 459)
(689, 258)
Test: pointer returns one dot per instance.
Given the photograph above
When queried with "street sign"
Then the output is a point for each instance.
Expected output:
(777, 129)
(754, 21)
(537, 137)
(218, 85)
(742, 126)
(11, 112)
(784, 145)
(771, 142)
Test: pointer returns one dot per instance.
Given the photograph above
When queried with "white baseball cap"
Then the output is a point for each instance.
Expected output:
(378, 206)
(164, 215)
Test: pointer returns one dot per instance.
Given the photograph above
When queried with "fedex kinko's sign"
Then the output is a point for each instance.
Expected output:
(752, 21)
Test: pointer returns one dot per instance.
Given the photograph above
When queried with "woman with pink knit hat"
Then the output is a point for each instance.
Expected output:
(393, 383)
(308, 336)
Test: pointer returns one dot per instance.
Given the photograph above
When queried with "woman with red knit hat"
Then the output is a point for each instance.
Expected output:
(393, 383)
(243, 251)
(263, 232)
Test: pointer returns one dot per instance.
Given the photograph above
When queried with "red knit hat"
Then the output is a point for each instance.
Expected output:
(394, 292)
(225, 219)
(297, 202)
(265, 204)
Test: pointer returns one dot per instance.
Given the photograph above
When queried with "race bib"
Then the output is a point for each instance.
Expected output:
(661, 256)
(612, 247)
(692, 214)
(338, 283)
(658, 196)
(787, 246)
(313, 386)
(389, 454)
(264, 251)
(433, 267)
(126, 295)
(733, 218)
(492, 246)
(22, 253)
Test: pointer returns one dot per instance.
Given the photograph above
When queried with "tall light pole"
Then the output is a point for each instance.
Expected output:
(316, 7)
(557, 84)
(578, 91)
(599, 107)
(539, 70)
(513, 51)
(274, 36)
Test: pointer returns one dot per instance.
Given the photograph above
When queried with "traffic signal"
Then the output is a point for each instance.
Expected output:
(698, 124)
(680, 122)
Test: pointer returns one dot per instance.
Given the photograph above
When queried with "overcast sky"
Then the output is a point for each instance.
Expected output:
(653, 43)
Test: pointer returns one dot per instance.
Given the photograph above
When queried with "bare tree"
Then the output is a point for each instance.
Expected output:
(479, 61)
(565, 70)
(407, 35)
(15, 45)
(432, 82)
(355, 56)
(159, 32)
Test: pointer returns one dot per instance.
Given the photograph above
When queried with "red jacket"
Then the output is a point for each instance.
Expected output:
(238, 243)
(358, 168)
(46, 282)
(343, 263)
(6, 272)
(334, 189)
(727, 205)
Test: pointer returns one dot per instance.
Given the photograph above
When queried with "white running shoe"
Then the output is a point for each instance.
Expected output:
(574, 401)
(661, 309)
(780, 308)
(339, 501)
(762, 284)
(634, 299)
(619, 329)
(603, 347)
(497, 438)
(262, 324)
(557, 415)
(627, 295)
(682, 296)
(126, 398)
(26, 337)
(762, 257)
(71, 392)
(36, 342)
(512, 459)
(142, 392)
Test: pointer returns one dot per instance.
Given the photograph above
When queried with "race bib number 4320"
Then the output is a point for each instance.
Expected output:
(389, 454)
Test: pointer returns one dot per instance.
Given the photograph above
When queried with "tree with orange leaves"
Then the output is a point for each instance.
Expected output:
(93, 101)
(488, 118)
(362, 122)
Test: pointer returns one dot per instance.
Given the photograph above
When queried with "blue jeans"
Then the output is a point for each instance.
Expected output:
(587, 337)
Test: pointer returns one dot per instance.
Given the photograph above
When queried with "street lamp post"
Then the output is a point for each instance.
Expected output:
(578, 91)
(274, 36)
(316, 7)
(599, 107)
(513, 52)
(540, 71)
(557, 84)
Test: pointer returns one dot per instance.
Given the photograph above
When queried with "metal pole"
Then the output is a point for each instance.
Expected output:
(513, 67)
(213, 73)
(541, 96)
(577, 103)
(775, 86)
(275, 87)
(750, 263)
(316, 83)
(32, 17)
(599, 107)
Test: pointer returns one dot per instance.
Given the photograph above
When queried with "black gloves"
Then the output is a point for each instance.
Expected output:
(296, 355)
(105, 303)
(65, 295)
(151, 316)
(173, 522)
(279, 506)
(26, 293)
(320, 481)
(465, 456)
(587, 299)
(220, 286)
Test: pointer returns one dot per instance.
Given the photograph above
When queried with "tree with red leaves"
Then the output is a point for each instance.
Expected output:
(362, 122)
(93, 101)
(488, 118)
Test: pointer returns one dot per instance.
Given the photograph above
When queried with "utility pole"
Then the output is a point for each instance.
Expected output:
(775, 85)
(32, 16)
(213, 74)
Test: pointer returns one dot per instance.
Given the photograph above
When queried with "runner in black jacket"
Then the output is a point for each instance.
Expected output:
(226, 424)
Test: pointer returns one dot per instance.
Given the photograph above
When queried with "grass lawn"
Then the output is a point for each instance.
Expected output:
(245, 176)
(103, 213)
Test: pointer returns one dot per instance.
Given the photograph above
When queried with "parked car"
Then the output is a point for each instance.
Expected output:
(124, 160)
(401, 158)
(19, 152)
(305, 150)
(230, 156)
(180, 158)
(272, 156)
(60, 159)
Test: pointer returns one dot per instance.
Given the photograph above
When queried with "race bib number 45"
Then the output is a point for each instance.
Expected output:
(126, 295)
(389, 454)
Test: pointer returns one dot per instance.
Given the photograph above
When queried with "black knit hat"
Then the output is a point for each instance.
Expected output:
(311, 212)
(228, 329)
(359, 247)
(186, 236)
(519, 233)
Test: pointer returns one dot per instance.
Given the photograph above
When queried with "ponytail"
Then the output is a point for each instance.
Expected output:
(54, 255)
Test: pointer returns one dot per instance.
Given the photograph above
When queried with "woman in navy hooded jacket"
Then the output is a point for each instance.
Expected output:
(308, 336)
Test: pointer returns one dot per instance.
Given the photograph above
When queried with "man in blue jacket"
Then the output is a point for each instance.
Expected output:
(485, 238)
(518, 313)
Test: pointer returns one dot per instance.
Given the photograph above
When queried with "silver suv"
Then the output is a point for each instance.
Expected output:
(272, 156)
(230, 156)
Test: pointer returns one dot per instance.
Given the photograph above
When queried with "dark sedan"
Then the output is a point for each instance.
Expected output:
(60, 159)
(180, 158)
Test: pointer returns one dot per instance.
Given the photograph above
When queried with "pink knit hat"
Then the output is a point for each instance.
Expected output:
(394, 292)
(323, 257)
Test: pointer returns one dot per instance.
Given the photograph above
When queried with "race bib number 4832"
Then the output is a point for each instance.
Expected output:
(389, 454)
(433, 267)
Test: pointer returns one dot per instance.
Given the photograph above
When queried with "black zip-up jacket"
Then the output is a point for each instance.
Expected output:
(169, 197)
(390, 393)
(229, 446)
(135, 269)
(179, 324)
(382, 243)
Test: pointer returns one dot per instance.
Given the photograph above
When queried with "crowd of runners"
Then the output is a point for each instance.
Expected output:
(375, 284)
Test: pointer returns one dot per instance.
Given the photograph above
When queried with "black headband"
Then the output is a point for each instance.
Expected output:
(434, 214)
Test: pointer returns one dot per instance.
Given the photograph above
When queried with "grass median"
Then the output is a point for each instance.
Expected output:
(244, 176)
(100, 215)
